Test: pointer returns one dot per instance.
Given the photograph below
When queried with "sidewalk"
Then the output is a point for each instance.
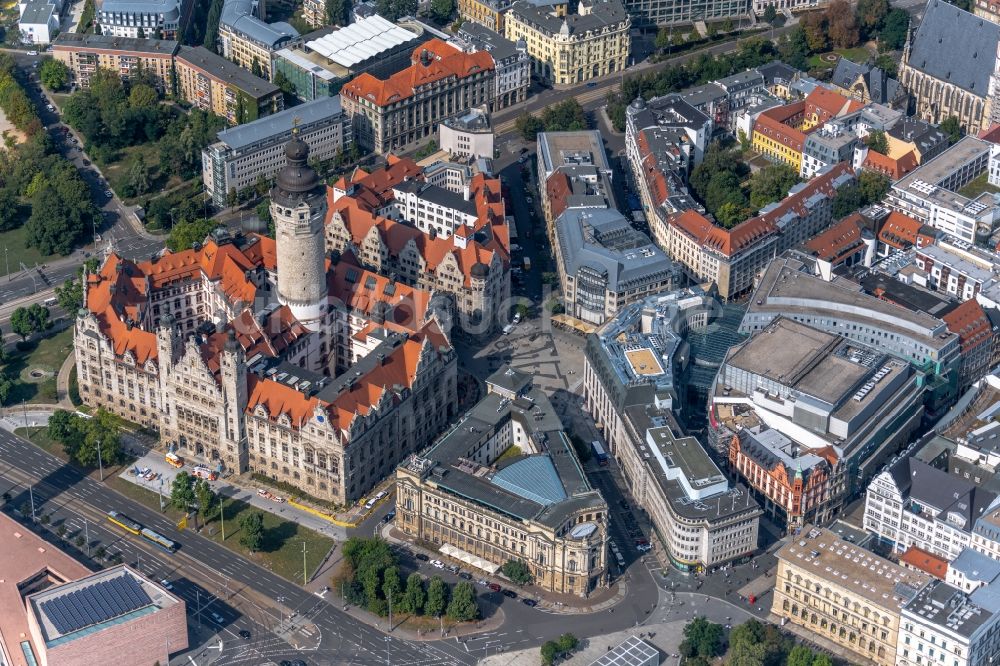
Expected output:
(548, 602)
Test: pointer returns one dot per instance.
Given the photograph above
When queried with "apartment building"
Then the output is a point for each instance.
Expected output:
(487, 13)
(944, 624)
(958, 268)
(244, 154)
(84, 54)
(247, 40)
(441, 230)
(567, 49)
(930, 193)
(845, 594)
(510, 61)
(402, 112)
(735, 258)
(210, 82)
(159, 19)
(324, 377)
(536, 507)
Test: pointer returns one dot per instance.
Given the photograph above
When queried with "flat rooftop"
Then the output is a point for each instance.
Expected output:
(786, 351)
(76, 41)
(784, 288)
(278, 126)
(938, 169)
(643, 361)
(883, 583)
(218, 67)
(557, 149)
(941, 605)
(29, 564)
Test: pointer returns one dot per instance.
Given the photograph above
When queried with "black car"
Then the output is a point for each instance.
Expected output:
(244, 634)
(466, 575)
(529, 602)
(422, 557)
(510, 594)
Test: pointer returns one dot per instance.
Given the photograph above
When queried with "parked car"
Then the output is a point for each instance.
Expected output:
(32, 53)
(437, 564)
(218, 618)
(483, 582)
(389, 516)
(422, 557)
(465, 575)
(166, 584)
(529, 602)
(244, 634)
(510, 594)
(494, 587)
(452, 568)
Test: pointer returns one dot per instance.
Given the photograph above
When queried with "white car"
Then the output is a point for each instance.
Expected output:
(166, 584)
(32, 53)
(109, 194)
(50, 107)
(437, 564)
(218, 618)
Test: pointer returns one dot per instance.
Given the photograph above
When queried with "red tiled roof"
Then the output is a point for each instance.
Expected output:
(991, 134)
(929, 563)
(837, 243)
(442, 61)
(971, 324)
(774, 124)
(827, 104)
(894, 168)
(902, 232)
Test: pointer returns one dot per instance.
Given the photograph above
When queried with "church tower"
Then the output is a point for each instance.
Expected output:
(298, 208)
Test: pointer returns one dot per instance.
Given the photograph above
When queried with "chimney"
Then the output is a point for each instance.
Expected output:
(465, 192)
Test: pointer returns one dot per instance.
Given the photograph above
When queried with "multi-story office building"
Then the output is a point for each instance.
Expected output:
(244, 154)
(468, 136)
(402, 112)
(210, 82)
(946, 625)
(324, 377)
(651, 12)
(159, 19)
(630, 389)
(735, 258)
(572, 151)
(845, 594)
(930, 194)
(480, 506)
(510, 60)
(247, 40)
(569, 49)
(85, 54)
(911, 503)
(829, 145)
(840, 409)
(327, 59)
(760, 6)
(442, 230)
(958, 268)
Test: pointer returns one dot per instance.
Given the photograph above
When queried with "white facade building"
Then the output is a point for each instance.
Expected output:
(39, 19)
(945, 625)
(245, 153)
(467, 136)
(127, 18)
(435, 210)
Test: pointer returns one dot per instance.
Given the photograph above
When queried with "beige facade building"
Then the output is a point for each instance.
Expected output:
(401, 112)
(85, 54)
(441, 230)
(210, 82)
(570, 49)
(248, 41)
(324, 377)
(536, 507)
(844, 593)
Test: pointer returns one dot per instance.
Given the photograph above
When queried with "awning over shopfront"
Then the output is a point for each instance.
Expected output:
(469, 558)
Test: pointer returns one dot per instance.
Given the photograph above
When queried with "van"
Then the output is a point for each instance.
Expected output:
(508, 328)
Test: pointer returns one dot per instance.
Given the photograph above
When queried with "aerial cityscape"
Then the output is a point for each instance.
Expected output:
(500, 332)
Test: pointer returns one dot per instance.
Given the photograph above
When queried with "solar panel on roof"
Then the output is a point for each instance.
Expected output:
(96, 603)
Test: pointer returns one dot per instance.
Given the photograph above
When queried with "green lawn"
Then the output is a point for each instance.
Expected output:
(117, 172)
(978, 186)
(511, 452)
(16, 252)
(40, 438)
(45, 355)
(857, 54)
(282, 548)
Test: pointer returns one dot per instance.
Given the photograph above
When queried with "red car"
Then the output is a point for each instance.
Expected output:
(494, 587)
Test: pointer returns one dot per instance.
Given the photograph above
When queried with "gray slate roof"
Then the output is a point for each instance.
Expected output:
(881, 88)
(238, 16)
(605, 13)
(280, 124)
(955, 46)
(931, 487)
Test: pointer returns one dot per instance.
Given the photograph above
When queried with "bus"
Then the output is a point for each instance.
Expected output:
(124, 522)
(159, 540)
(175, 460)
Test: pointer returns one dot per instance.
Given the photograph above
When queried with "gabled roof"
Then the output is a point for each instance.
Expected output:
(433, 61)
(902, 232)
(894, 168)
(838, 242)
(927, 562)
(969, 321)
(955, 47)
(827, 104)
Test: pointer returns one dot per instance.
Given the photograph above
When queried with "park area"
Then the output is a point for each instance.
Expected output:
(28, 374)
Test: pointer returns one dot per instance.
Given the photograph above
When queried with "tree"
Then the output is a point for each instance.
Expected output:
(54, 74)
(143, 96)
(252, 526)
(138, 176)
(892, 36)
(208, 505)
(847, 200)
(141, 34)
(952, 128)
(822, 660)
(871, 15)
(442, 10)
(770, 14)
(517, 571)
(702, 639)
(70, 295)
(21, 323)
(437, 597)
(794, 49)
(63, 425)
(392, 586)
(463, 606)
(549, 651)
(529, 126)
(184, 235)
(842, 24)
(212, 25)
(338, 12)
(664, 38)
(567, 642)
(746, 654)
(877, 141)
(414, 596)
(182, 491)
(771, 184)
(232, 197)
(6, 388)
(814, 27)
(10, 212)
(566, 116)
(873, 186)
(887, 63)
(800, 655)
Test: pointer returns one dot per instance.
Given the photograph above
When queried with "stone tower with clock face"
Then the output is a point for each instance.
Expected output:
(298, 208)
